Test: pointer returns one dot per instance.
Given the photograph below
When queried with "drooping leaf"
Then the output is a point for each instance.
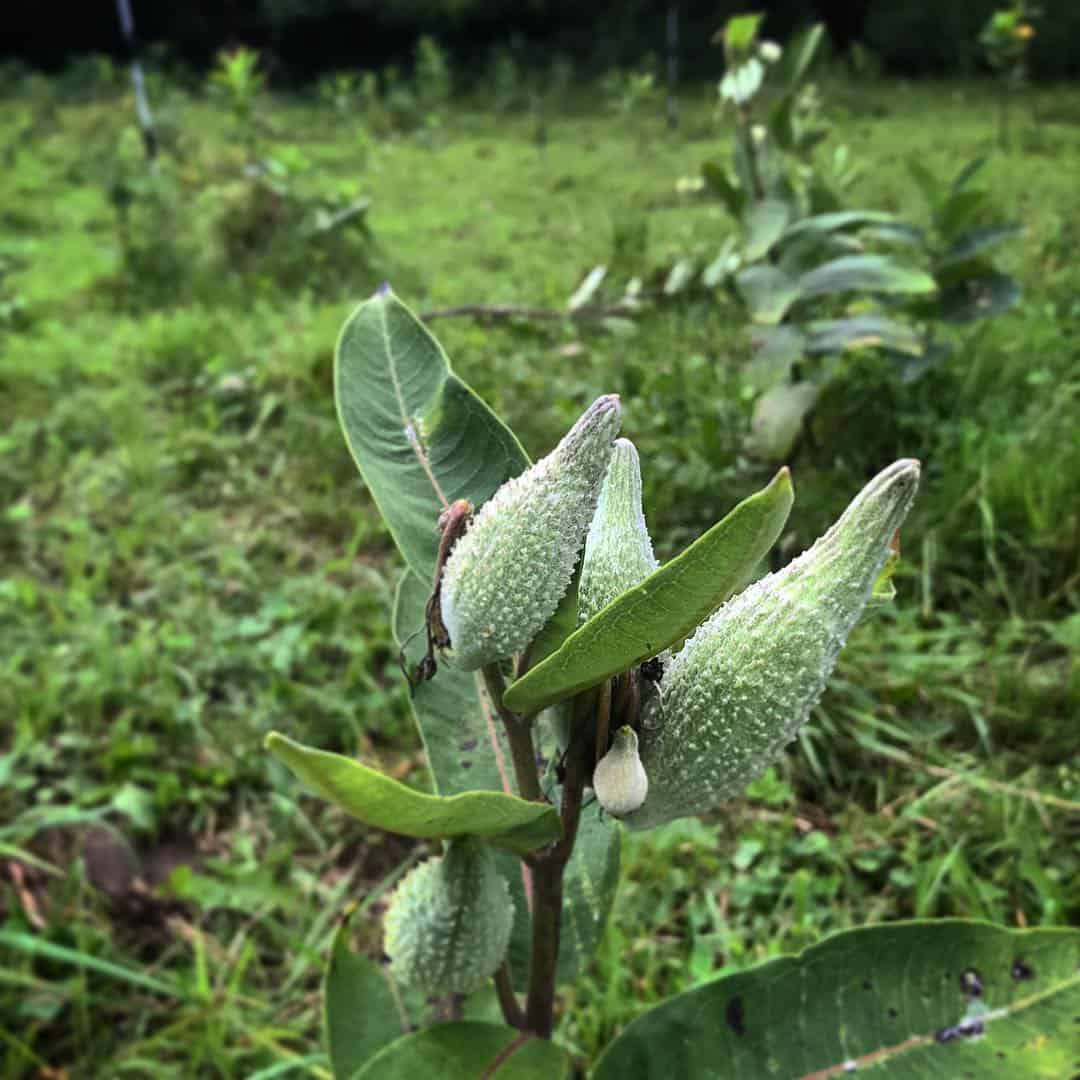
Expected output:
(419, 436)
(765, 223)
(944, 999)
(768, 292)
(665, 607)
(378, 800)
(864, 273)
(468, 1050)
(861, 332)
(359, 1011)
(778, 418)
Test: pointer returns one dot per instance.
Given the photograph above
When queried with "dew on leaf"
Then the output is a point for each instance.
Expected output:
(971, 982)
(1021, 971)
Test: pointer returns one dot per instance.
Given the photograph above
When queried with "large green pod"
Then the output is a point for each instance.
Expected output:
(745, 682)
(448, 924)
(505, 577)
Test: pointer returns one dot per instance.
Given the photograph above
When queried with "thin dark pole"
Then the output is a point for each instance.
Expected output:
(672, 65)
(142, 104)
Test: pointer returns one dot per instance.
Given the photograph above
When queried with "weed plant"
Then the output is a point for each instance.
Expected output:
(179, 573)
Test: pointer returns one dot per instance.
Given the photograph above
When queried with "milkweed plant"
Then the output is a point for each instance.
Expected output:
(567, 687)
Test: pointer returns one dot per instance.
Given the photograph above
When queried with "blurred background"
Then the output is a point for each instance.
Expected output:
(826, 247)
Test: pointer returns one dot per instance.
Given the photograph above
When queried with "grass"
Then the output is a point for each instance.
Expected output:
(190, 559)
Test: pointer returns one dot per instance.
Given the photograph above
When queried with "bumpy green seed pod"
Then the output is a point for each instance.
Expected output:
(449, 920)
(744, 684)
(506, 576)
(619, 780)
(618, 551)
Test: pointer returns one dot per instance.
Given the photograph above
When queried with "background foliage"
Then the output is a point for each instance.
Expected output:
(189, 559)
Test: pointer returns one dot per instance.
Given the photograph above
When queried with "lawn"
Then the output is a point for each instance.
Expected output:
(190, 560)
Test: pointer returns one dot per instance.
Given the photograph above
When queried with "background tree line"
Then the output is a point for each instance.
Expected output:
(306, 37)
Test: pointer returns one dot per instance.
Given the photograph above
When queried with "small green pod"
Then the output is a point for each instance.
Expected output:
(618, 550)
(745, 682)
(619, 779)
(505, 577)
(448, 924)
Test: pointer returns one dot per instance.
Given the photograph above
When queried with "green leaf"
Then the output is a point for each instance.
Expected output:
(768, 292)
(468, 1050)
(741, 31)
(942, 999)
(776, 350)
(721, 184)
(589, 883)
(466, 748)
(359, 1011)
(665, 607)
(419, 436)
(778, 419)
(862, 332)
(975, 242)
(979, 297)
(864, 273)
(502, 820)
(765, 223)
(838, 220)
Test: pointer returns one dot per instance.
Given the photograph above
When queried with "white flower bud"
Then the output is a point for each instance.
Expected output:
(506, 576)
(619, 780)
(618, 551)
(744, 684)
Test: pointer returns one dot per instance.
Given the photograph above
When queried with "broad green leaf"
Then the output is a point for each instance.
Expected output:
(419, 436)
(589, 885)
(665, 607)
(359, 1011)
(861, 332)
(801, 53)
(378, 800)
(721, 184)
(468, 1050)
(838, 220)
(778, 418)
(740, 31)
(765, 223)
(946, 999)
(975, 242)
(775, 350)
(981, 297)
(768, 292)
(465, 744)
(864, 273)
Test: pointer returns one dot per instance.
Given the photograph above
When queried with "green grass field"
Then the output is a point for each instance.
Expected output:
(190, 560)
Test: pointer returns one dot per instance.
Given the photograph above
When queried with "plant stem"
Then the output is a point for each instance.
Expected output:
(519, 735)
(548, 871)
(508, 1002)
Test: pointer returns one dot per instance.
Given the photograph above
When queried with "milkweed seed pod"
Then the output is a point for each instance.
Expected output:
(619, 779)
(618, 551)
(448, 924)
(506, 576)
(745, 682)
